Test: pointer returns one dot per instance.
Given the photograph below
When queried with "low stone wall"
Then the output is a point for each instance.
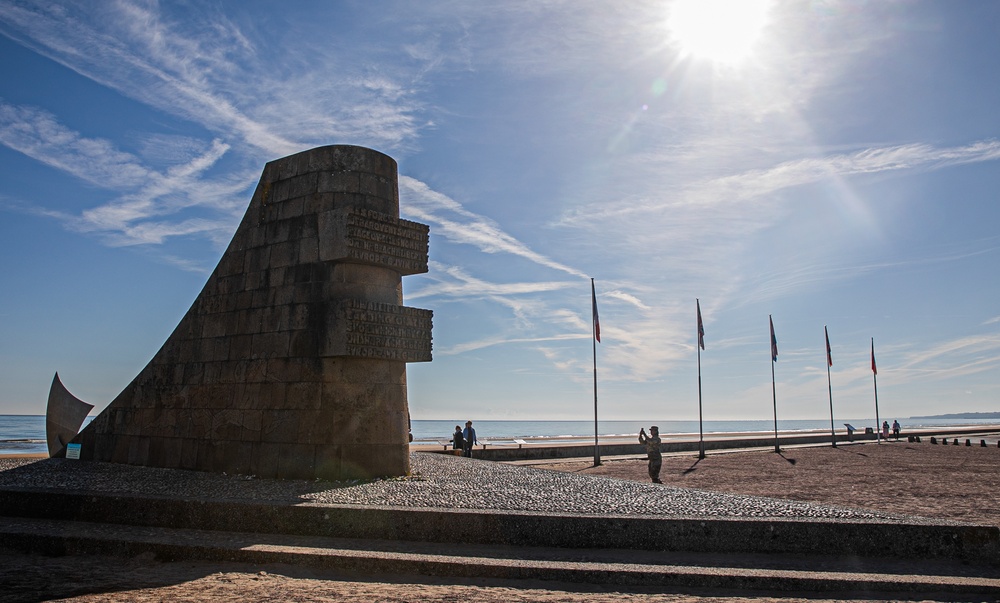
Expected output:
(863, 539)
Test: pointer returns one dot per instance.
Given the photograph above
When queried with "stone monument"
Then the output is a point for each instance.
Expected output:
(291, 363)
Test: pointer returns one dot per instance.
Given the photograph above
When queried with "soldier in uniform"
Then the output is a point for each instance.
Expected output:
(652, 443)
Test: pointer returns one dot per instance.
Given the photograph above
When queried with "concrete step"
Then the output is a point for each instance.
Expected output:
(625, 568)
(935, 540)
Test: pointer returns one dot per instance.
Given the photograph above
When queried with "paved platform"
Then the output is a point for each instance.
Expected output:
(465, 517)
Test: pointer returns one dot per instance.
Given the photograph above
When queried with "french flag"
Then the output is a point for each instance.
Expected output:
(701, 326)
(829, 356)
(774, 342)
(597, 320)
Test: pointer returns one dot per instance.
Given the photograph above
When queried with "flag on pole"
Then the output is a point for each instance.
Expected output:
(774, 342)
(874, 370)
(829, 356)
(597, 320)
(701, 326)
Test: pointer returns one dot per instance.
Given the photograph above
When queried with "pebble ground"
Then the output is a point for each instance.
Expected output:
(436, 481)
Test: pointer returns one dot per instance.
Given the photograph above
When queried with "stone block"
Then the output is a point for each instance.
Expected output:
(300, 315)
(344, 370)
(256, 260)
(282, 425)
(264, 462)
(236, 458)
(272, 394)
(210, 455)
(230, 264)
(276, 232)
(165, 452)
(285, 254)
(269, 345)
(296, 461)
(138, 451)
(214, 328)
(328, 462)
(264, 297)
(247, 396)
(227, 424)
(317, 203)
(309, 249)
(194, 373)
(303, 344)
(303, 396)
(252, 425)
(338, 182)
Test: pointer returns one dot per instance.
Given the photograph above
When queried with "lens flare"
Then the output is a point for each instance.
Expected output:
(722, 31)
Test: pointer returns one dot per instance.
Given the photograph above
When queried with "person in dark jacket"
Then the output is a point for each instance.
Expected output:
(470, 438)
(652, 443)
(458, 439)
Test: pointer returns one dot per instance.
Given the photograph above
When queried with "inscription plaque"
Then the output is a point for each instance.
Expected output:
(383, 331)
(366, 236)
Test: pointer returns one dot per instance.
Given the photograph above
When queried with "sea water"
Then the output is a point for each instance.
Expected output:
(22, 434)
(25, 434)
(583, 431)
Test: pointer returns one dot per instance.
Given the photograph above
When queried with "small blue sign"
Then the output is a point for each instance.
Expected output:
(73, 451)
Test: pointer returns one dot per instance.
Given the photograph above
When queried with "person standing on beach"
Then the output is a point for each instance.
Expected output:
(895, 429)
(470, 439)
(458, 439)
(652, 443)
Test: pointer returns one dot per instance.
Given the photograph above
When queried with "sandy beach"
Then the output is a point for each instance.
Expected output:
(942, 481)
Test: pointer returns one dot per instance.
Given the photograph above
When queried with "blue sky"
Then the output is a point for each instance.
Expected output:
(827, 163)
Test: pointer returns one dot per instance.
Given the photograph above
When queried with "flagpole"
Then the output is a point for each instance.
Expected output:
(774, 397)
(774, 390)
(701, 342)
(878, 424)
(593, 341)
(829, 386)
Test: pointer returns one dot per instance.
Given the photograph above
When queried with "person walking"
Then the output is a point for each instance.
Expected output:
(469, 435)
(895, 429)
(458, 439)
(652, 443)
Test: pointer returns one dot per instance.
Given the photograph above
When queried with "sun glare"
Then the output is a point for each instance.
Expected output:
(722, 31)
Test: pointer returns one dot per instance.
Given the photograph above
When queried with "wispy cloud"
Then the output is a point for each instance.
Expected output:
(493, 341)
(217, 77)
(954, 358)
(147, 193)
(39, 135)
(462, 285)
(452, 221)
(761, 183)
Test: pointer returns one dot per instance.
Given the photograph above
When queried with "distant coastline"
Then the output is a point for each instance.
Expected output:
(962, 415)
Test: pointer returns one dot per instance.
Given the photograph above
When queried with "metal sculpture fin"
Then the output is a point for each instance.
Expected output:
(64, 415)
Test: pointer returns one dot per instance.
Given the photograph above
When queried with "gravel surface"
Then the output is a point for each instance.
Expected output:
(956, 483)
(436, 481)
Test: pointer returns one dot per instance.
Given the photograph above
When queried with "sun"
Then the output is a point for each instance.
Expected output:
(721, 31)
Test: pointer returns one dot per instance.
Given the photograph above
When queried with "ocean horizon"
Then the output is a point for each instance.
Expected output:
(25, 434)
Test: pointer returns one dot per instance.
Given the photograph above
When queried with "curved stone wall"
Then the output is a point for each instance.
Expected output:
(291, 363)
